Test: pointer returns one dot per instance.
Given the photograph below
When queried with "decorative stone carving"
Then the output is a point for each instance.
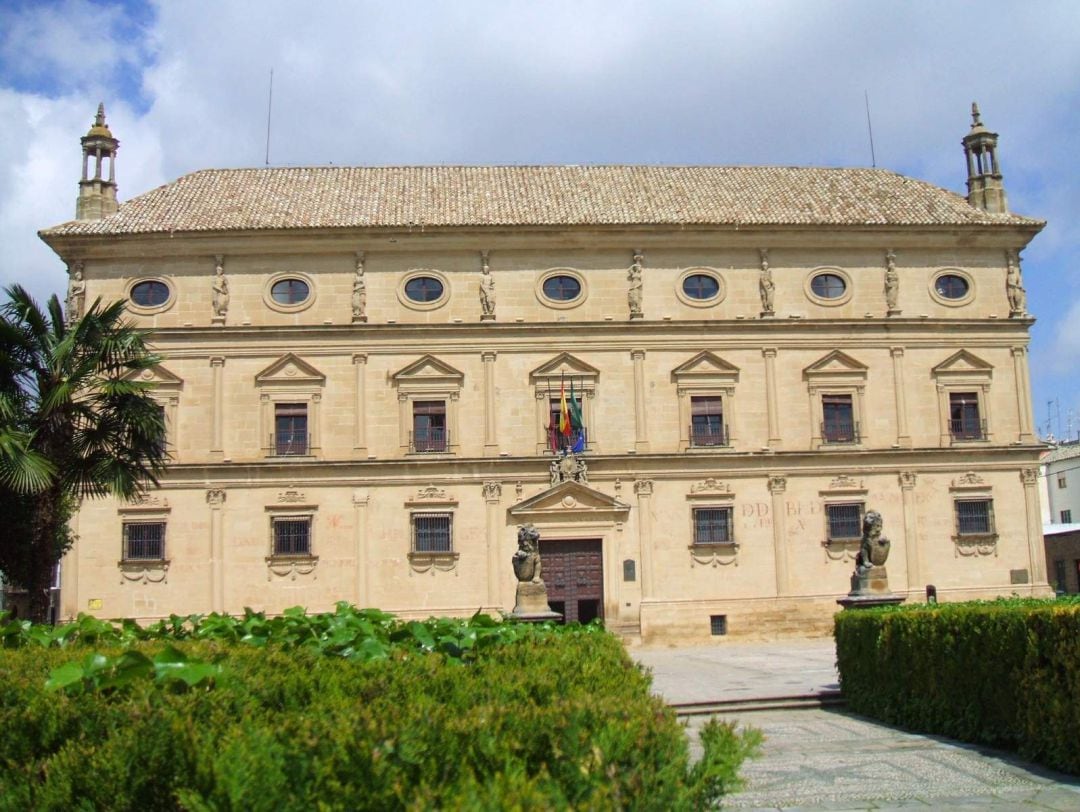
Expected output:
(892, 285)
(870, 581)
(291, 497)
(431, 492)
(220, 291)
(215, 497)
(76, 295)
(1014, 286)
(968, 480)
(291, 566)
(635, 295)
(710, 485)
(359, 291)
(908, 480)
(766, 287)
(144, 572)
(487, 289)
(1029, 476)
(492, 491)
(777, 484)
(568, 468)
(844, 481)
(643, 487)
(148, 499)
(714, 555)
(531, 602)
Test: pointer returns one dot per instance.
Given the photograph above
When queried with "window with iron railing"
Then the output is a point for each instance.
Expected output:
(432, 533)
(844, 521)
(707, 427)
(429, 434)
(144, 541)
(291, 438)
(292, 535)
(838, 419)
(575, 438)
(974, 517)
(965, 422)
(713, 526)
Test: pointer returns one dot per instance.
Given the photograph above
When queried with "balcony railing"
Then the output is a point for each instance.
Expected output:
(840, 432)
(967, 429)
(709, 436)
(434, 440)
(576, 440)
(290, 444)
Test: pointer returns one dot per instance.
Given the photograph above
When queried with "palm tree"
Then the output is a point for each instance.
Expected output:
(75, 422)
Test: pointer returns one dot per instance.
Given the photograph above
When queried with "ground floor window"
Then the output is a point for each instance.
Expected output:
(974, 517)
(432, 533)
(844, 521)
(144, 541)
(292, 535)
(713, 526)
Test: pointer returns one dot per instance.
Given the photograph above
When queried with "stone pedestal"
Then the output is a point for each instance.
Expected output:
(487, 317)
(531, 603)
(870, 588)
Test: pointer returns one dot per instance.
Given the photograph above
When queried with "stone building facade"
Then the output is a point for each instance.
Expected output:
(364, 371)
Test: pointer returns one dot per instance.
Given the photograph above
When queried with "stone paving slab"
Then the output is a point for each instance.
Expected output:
(835, 760)
(740, 671)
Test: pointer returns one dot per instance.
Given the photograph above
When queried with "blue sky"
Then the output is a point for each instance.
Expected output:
(673, 82)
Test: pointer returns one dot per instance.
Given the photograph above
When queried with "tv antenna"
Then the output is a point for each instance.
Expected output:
(870, 129)
(269, 107)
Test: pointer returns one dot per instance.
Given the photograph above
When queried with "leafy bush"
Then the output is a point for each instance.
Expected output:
(1004, 673)
(544, 718)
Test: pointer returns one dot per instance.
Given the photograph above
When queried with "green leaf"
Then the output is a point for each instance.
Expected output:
(64, 676)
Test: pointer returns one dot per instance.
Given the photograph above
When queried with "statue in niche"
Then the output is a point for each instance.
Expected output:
(568, 467)
(766, 287)
(874, 549)
(1014, 286)
(635, 296)
(76, 295)
(487, 289)
(359, 291)
(892, 283)
(527, 558)
(220, 290)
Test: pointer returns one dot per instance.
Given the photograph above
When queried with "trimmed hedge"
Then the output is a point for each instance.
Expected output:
(544, 721)
(1004, 673)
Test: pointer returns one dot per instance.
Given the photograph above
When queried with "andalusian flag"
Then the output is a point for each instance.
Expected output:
(564, 413)
(576, 421)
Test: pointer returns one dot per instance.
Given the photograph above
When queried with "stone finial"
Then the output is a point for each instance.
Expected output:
(976, 120)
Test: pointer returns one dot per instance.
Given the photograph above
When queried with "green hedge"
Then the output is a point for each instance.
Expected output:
(545, 721)
(1004, 673)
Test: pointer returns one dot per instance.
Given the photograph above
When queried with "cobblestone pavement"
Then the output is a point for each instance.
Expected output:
(828, 759)
(834, 760)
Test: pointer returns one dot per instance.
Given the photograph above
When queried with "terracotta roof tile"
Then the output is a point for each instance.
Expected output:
(359, 197)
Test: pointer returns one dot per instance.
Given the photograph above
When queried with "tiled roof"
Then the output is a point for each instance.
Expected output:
(1065, 451)
(411, 196)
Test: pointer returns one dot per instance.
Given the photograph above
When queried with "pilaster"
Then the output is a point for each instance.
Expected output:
(903, 437)
(491, 442)
(217, 366)
(643, 488)
(641, 433)
(771, 400)
(777, 488)
(911, 538)
(360, 383)
(492, 498)
(215, 498)
(362, 576)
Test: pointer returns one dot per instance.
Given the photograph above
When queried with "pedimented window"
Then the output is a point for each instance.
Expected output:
(705, 386)
(290, 399)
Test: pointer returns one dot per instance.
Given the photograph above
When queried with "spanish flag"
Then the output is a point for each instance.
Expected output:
(564, 413)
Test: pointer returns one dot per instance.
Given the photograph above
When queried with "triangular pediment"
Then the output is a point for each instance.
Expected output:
(562, 365)
(963, 363)
(158, 375)
(290, 370)
(428, 369)
(570, 498)
(705, 366)
(836, 363)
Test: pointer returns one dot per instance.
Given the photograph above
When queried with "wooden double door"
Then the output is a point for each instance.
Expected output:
(574, 575)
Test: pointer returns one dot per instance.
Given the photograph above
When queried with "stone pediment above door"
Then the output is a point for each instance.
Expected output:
(290, 370)
(570, 500)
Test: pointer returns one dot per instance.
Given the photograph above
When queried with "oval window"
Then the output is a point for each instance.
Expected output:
(701, 286)
(828, 286)
(951, 286)
(150, 293)
(424, 289)
(290, 291)
(562, 288)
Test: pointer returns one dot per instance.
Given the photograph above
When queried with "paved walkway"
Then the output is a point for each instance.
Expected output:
(831, 759)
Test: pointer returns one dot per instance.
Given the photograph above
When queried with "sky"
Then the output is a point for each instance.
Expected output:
(186, 86)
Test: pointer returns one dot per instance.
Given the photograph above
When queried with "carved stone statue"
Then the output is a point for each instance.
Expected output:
(874, 549)
(568, 467)
(1014, 286)
(635, 296)
(870, 581)
(359, 291)
(527, 558)
(76, 296)
(892, 284)
(487, 289)
(531, 601)
(766, 287)
(220, 291)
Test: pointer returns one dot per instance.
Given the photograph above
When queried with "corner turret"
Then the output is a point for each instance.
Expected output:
(986, 190)
(97, 196)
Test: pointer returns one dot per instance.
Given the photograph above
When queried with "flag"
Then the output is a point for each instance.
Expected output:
(553, 435)
(576, 421)
(564, 412)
